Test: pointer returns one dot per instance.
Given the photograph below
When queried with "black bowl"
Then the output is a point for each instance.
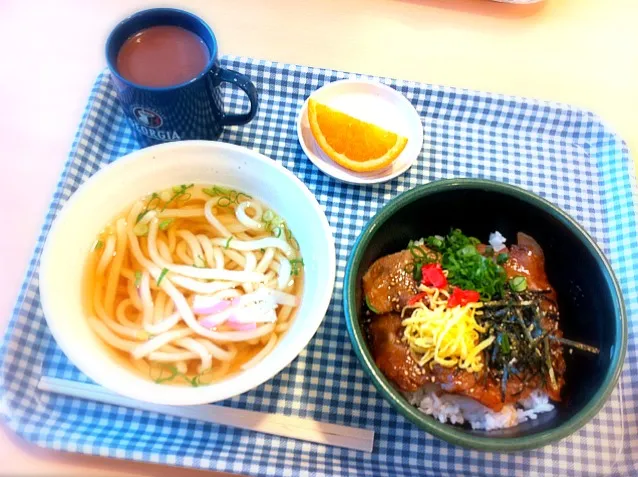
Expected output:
(589, 298)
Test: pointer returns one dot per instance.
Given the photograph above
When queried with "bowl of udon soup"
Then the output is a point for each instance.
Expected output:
(187, 273)
(485, 314)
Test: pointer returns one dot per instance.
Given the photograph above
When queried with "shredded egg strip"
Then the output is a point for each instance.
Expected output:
(446, 336)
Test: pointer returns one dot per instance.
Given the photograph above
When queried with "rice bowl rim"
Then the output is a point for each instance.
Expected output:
(445, 431)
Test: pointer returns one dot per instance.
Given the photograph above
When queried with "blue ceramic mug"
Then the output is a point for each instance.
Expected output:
(189, 110)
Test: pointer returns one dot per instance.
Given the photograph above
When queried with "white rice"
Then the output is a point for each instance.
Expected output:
(460, 409)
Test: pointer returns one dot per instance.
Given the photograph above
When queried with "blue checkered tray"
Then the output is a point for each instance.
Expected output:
(560, 152)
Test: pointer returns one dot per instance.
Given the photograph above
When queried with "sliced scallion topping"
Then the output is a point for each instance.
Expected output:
(518, 284)
(268, 216)
(436, 241)
(162, 275)
(296, 264)
(467, 268)
(420, 257)
(468, 251)
(138, 278)
(140, 230)
(179, 192)
(98, 245)
(154, 201)
(227, 197)
(228, 242)
(164, 224)
(502, 258)
(170, 372)
(216, 191)
(141, 215)
(223, 202)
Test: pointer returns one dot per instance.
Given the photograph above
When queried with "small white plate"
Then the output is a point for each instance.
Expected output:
(372, 102)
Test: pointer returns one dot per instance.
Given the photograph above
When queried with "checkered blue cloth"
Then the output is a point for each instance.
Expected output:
(557, 151)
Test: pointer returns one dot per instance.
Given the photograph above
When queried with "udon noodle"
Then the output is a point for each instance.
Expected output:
(193, 283)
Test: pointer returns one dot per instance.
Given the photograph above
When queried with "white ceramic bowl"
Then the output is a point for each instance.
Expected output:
(114, 188)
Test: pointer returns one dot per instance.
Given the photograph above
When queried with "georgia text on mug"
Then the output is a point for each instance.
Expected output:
(148, 123)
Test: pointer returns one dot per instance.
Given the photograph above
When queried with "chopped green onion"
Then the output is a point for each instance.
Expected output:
(211, 191)
(226, 196)
(201, 259)
(416, 250)
(179, 191)
(161, 379)
(420, 257)
(162, 275)
(468, 251)
(138, 278)
(98, 245)
(140, 230)
(224, 201)
(435, 242)
(262, 250)
(154, 201)
(518, 284)
(467, 269)
(502, 258)
(173, 373)
(141, 215)
(164, 224)
(276, 231)
(182, 187)
(268, 216)
(165, 195)
(228, 242)
(296, 264)
(370, 307)
(290, 238)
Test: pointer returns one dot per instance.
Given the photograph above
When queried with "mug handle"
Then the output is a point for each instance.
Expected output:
(243, 83)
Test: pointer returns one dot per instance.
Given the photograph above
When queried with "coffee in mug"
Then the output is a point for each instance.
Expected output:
(164, 65)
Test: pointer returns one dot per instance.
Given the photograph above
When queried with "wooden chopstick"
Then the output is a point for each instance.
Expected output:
(275, 424)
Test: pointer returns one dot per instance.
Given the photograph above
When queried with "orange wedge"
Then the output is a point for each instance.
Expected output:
(352, 143)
